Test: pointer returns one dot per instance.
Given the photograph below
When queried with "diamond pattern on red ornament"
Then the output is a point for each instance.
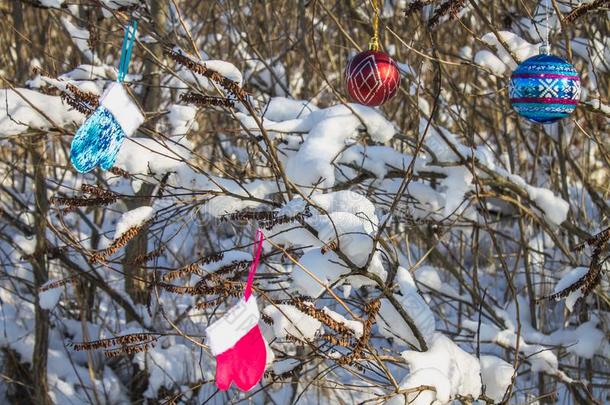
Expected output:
(372, 78)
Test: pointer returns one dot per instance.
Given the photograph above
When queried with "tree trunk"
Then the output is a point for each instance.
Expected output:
(39, 264)
(135, 275)
(152, 87)
(21, 66)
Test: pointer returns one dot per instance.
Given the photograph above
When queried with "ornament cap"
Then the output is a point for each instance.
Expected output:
(544, 49)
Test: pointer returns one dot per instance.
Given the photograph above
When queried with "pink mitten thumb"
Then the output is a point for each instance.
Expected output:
(250, 355)
(224, 369)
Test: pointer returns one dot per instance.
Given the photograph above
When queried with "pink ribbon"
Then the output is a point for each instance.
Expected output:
(258, 247)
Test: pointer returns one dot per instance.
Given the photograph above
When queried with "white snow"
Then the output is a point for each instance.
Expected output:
(226, 69)
(327, 268)
(349, 230)
(541, 358)
(40, 111)
(496, 375)
(27, 245)
(169, 367)
(445, 366)
(282, 109)
(350, 161)
(223, 204)
(356, 326)
(52, 3)
(491, 61)
(378, 159)
(133, 218)
(228, 258)
(555, 208)
(391, 323)
(90, 72)
(455, 186)
(594, 51)
(312, 163)
(349, 202)
(588, 340)
(518, 46)
(49, 298)
(80, 37)
(288, 320)
(181, 119)
(429, 279)
(285, 365)
(569, 278)
(141, 155)
(328, 132)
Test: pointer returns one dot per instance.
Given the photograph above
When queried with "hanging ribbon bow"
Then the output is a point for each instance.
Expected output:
(128, 40)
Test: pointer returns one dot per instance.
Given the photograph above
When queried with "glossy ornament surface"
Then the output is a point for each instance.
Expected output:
(372, 78)
(544, 88)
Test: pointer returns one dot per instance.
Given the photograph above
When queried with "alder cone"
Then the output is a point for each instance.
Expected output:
(372, 78)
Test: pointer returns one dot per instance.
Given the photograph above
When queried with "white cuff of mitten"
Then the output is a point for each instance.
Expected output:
(120, 104)
(228, 330)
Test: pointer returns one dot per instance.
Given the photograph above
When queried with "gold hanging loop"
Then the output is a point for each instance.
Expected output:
(374, 42)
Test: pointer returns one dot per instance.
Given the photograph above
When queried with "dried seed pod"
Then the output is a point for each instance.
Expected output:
(211, 303)
(58, 283)
(206, 101)
(587, 283)
(416, 6)
(294, 339)
(322, 316)
(121, 241)
(265, 219)
(117, 171)
(91, 99)
(77, 104)
(192, 268)
(332, 245)
(234, 267)
(371, 309)
(338, 340)
(98, 191)
(267, 319)
(229, 85)
(127, 350)
(179, 289)
(596, 240)
(141, 259)
(212, 258)
(583, 9)
(132, 338)
(451, 7)
(74, 202)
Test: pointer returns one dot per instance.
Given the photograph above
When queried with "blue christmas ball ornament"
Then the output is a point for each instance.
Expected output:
(544, 88)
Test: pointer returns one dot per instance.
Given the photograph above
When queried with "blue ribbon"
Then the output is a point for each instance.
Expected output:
(128, 40)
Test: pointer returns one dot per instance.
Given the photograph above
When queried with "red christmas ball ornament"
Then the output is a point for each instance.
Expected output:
(372, 78)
